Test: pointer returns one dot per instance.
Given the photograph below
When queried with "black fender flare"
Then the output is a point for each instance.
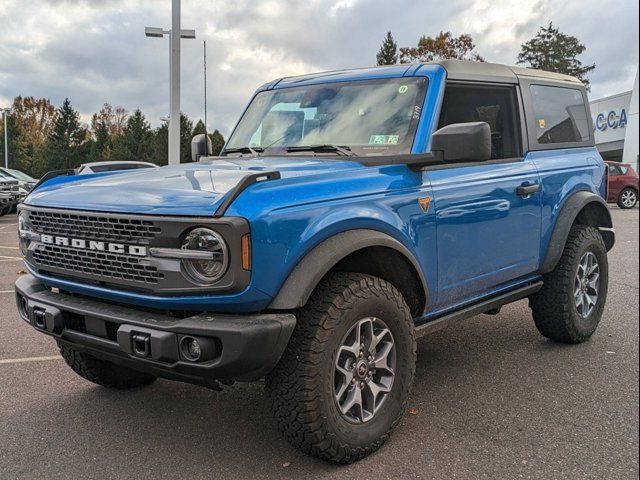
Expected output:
(567, 216)
(306, 275)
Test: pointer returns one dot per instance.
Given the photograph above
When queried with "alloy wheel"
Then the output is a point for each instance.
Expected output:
(628, 198)
(364, 370)
(586, 284)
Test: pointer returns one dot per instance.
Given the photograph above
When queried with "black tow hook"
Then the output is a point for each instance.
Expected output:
(141, 344)
(40, 318)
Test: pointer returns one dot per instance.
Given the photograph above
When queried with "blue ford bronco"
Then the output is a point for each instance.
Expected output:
(349, 213)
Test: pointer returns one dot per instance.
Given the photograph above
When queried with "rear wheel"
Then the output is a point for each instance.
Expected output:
(627, 198)
(103, 373)
(569, 306)
(343, 382)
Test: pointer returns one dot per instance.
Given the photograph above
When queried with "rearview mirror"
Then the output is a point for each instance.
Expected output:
(463, 142)
(200, 146)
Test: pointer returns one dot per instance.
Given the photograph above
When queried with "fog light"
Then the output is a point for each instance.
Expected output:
(191, 349)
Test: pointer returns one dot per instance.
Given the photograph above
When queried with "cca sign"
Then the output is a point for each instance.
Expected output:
(611, 120)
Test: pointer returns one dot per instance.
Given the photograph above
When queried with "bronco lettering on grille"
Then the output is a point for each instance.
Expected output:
(94, 245)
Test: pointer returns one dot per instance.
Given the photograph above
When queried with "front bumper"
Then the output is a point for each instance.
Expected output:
(9, 199)
(235, 347)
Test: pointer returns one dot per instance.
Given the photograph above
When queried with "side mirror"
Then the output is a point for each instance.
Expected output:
(463, 142)
(200, 146)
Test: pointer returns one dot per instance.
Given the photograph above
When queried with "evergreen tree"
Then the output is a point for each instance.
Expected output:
(67, 135)
(555, 51)
(186, 127)
(217, 142)
(161, 145)
(198, 129)
(137, 138)
(388, 53)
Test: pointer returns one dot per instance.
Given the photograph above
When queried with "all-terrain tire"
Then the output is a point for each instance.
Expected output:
(628, 198)
(301, 387)
(103, 373)
(554, 307)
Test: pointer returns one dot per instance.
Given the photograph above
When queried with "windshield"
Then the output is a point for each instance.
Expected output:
(369, 117)
(18, 174)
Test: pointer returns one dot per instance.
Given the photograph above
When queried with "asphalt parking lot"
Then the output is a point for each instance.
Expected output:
(492, 399)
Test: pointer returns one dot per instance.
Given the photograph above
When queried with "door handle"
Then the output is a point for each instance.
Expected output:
(527, 189)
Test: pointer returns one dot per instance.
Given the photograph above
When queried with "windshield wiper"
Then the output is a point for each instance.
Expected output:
(252, 150)
(327, 147)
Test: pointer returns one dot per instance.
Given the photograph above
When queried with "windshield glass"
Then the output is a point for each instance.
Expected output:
(18, 174)
(370, 117)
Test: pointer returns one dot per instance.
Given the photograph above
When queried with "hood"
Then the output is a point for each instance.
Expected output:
(195, 189)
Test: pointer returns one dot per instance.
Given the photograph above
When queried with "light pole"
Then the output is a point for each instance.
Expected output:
(174, 78)
(6, 111)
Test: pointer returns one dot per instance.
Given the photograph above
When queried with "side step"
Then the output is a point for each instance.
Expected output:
(476, 309)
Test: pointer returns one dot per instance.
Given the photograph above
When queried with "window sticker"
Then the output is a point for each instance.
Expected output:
(384, 139)
(403, 89)
(542, 123)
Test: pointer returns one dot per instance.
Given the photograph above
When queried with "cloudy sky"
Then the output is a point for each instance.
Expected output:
(95, 51)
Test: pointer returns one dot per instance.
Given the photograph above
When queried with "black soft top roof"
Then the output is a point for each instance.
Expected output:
(495, 72)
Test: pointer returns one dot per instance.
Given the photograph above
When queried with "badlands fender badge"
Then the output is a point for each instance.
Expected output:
(424, 203)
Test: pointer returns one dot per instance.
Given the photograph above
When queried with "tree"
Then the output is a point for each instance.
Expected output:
(186, 127)
(199, 128)
(161, 137)
(388, 53)
(161, 145)
(35, 117)
(102, 145)
(115, 119)
(15, 143)
(65, 139)
(443, 47)
(30, 124)
(137, 138)
(555, 51)
(217, 142)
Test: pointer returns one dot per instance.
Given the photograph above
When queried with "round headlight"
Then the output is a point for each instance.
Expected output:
(211, 267)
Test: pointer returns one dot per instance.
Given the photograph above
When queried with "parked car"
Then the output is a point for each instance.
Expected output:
(9, 195)
(622, 185)
(100, 167)
(25, 182)
(349, 213)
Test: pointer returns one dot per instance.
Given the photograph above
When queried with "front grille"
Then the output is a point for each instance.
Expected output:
(108, 265)
(94, 227)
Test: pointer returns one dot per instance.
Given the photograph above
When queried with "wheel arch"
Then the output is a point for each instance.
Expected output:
(360, 251)
(584, 208)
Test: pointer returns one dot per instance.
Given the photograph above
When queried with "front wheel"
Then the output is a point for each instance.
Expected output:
(343, 382)
(569, 306)
(627, 198)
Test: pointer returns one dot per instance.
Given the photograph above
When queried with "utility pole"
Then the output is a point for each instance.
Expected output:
(174, 75)
(174, 96)
(5, 112)
(205, 84)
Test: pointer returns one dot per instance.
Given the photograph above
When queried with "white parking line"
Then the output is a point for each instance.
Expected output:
(7, 291)
(29, 359)
(10, 248)
(10, 258)
(8, 225)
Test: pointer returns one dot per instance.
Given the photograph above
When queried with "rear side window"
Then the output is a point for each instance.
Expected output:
(560, 115)
(614, 170)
